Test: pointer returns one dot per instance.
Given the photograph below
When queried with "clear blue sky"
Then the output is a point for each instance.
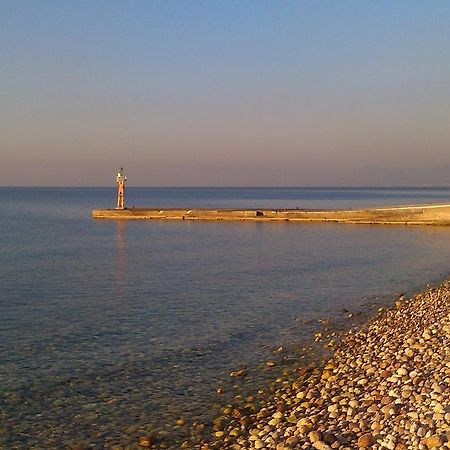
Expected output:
(225, 92)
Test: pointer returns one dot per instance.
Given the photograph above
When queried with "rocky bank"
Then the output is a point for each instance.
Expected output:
(387, 386)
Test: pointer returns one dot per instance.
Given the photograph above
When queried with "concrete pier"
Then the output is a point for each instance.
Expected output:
(431, 214)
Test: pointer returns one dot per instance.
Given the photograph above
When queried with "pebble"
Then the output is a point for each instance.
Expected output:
(145, 441)
(320, 445)
(366, 440)
(314, 436)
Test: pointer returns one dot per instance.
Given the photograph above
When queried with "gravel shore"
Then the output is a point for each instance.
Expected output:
(387, 386)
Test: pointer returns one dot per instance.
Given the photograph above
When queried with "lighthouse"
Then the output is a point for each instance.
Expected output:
(121, 178)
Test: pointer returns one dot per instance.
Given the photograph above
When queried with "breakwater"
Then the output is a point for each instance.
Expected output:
(432, 214)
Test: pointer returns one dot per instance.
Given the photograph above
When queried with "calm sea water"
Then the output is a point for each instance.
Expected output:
(111, 329)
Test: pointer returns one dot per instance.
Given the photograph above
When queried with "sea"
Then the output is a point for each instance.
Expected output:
(110, 330)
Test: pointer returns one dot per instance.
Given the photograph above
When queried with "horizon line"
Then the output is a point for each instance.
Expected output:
(425, 186)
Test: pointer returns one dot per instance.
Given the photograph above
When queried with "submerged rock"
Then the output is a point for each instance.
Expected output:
(146, 441)
(238, 373)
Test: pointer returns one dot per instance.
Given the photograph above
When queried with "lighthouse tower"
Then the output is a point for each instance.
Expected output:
(121, 178)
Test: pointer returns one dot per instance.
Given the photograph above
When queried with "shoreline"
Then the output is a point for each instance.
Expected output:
(386, 386)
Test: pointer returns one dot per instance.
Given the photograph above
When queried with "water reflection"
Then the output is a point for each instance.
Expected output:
(120, 257)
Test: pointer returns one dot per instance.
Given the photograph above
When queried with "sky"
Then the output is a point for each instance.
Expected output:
(225, 92)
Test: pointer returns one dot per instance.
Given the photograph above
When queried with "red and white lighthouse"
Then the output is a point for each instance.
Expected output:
(121, 178)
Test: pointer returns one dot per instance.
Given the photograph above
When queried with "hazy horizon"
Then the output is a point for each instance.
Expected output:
(225, 93)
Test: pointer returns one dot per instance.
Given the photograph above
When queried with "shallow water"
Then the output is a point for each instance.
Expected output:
(110, 328)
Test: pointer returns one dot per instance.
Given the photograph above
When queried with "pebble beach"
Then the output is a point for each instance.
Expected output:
(386, 386)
